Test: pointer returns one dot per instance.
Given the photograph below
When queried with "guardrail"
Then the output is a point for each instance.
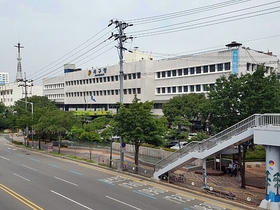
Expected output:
(252, 121)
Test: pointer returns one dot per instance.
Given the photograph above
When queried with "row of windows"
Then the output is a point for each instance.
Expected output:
(253, 67)
(54, 96)
(104, 92)
(54, 86)
(194, 70)
(104, 79)
(184, 88)
(6, 92)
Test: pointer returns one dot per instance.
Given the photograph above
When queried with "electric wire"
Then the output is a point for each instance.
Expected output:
(185, 12)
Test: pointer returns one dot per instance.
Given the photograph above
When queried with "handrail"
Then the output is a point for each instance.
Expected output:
(252, 121)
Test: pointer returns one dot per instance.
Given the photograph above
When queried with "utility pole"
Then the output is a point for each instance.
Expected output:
(25, 84)
(121, 37)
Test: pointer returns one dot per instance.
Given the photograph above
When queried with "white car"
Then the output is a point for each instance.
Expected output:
(179, 146)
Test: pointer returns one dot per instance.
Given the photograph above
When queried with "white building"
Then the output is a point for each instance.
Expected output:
(11, 92)
(4, 78)
(152, 80)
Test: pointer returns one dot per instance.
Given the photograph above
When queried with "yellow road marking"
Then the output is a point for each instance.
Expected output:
(20, 198)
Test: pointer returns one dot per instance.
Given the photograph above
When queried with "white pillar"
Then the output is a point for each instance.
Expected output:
(204, 174)
(272, 200)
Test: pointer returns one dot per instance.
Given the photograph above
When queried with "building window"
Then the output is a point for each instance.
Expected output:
(179, 72)
(220, 67)
(163, 90)
(163, 74)
(104, 79)
(108, 92)
(138, 90)
(134, 91)
(198, 70)
(205, 87)
(116, 78)
(205, 69)
(174, 73)
(185, 89)
(212, 86)
(129, 76)
(112, 92)
(129, 91)
(101, 92)
(227, 66)
(212, 68)
(125, 77)
(93, 80)
(168, 89)
(173, 89)
(198, 88)
(191, 70)
(117, 92)
(158, 74)
(192, 88)
(180, 89)
(138, 75)
(134, 75)
(168, 73)
(158, 90)
(186, 72)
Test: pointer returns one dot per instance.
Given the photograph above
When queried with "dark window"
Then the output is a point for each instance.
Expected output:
(134, 91)
(93, 80)
(212, 86)
(104, 92)
(168, 73)
(158, 90)
(158, 74)
(129, 76)
(198, 88)
(101, 92)
(112, 92)
(134, 75)
(185, 89)
(108, 92)
(117, 92)
(129, 91)
(138, 90)
(97, 80)
(198, 70)
(163, 90)
(125, 77)
(104, 79)
(220, 67)
(125, 91)
(179, 72)
(227, 66)
(108, 79)
(163, 74)
(212, 68)
(205, 87)
(186, 72)
(112, 78)
(180, 89)
(191, 70)
(173, 89)
(168, 89)
(116, 78)
(205, 69)
(138, 75)
(192, 88)
(174, 73)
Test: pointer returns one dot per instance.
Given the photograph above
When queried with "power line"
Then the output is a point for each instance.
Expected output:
(185, 12)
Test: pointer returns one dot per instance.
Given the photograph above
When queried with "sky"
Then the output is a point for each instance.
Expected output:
(56, 32)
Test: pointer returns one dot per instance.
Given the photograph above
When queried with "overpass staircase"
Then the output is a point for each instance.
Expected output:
(237, 134)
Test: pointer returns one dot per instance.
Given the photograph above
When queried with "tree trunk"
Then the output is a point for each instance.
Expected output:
(59, 143)
(242, 165)
(136, 156)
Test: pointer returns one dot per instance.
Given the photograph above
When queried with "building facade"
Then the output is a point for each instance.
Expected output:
(4, 78)
(152, 80)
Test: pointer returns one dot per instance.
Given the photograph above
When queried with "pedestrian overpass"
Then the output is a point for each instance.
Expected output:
(262, 128)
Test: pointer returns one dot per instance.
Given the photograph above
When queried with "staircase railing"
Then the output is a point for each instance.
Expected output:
(252, 121)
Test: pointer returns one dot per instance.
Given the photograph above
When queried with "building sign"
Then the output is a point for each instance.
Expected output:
(234, 61)
(97, 72)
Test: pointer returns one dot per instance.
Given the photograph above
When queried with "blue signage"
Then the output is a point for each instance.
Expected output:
(234, 61)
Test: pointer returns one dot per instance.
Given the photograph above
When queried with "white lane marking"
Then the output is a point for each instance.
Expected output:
(65, 181)
(29, 167)
(122, 202)
(21, 177)
(4, 158)
(71, 200)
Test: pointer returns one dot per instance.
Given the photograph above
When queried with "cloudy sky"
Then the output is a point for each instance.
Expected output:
(55, 32)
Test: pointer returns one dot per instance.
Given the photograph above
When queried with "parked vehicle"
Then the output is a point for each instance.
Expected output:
(179, 145)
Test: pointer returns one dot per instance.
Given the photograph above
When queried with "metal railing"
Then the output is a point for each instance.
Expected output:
(252, 121)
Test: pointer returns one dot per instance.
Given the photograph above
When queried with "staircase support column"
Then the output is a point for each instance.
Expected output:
(272, 200)
(204, 174)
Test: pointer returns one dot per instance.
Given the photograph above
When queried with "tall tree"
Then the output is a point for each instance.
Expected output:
(137, 125)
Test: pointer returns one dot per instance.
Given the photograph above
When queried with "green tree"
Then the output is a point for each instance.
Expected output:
(137, 125)
(235, 98)
(180, 110)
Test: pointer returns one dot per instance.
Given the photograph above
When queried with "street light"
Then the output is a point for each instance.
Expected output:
(32, 120)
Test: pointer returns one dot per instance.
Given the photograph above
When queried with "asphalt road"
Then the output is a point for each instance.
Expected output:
(31, 180)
